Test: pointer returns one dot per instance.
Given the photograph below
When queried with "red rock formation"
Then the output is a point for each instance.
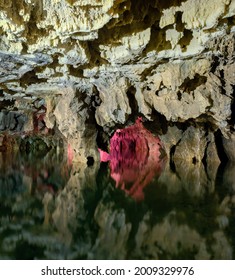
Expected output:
(135, 158)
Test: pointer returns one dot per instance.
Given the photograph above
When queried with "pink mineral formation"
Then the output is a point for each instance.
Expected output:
(70, 154)
(104, 156)
(135, 158)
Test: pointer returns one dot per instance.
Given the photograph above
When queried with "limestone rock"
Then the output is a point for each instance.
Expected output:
(115, 106)
(175, 57)
(128, 48)
(192, 146)
(171, 138)
(229, 146)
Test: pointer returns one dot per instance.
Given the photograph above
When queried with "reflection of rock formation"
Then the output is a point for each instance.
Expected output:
(68, 208)
(186, 219)
(135, 158)
(114, 233)
(191, 178)
(47, 174)
(42, 205)
(178, 219)
(172, 239)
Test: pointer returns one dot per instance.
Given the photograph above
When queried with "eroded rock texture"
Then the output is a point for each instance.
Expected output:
(100, 64)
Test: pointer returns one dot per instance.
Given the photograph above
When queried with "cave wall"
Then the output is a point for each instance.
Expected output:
(97, 64)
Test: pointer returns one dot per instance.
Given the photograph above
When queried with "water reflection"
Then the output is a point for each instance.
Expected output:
(50, 209)
(23, 172)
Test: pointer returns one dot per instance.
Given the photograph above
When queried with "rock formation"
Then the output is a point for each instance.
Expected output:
(136, 157)
(82, 66)
(74, 74)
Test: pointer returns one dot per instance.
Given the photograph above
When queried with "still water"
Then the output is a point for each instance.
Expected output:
(51, 209)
